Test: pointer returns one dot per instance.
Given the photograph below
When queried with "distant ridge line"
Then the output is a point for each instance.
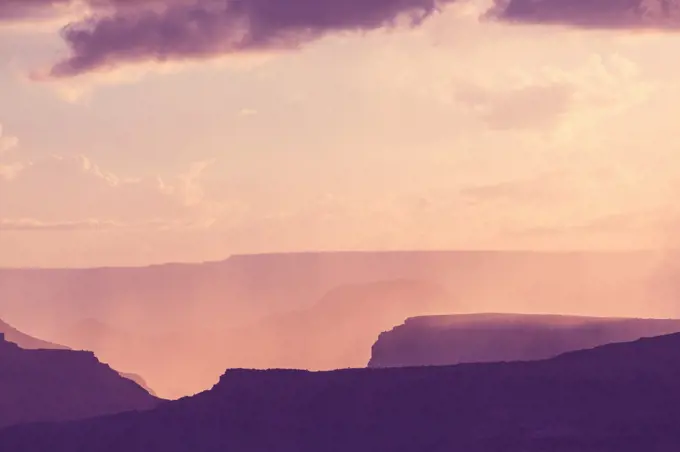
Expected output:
(347, 252)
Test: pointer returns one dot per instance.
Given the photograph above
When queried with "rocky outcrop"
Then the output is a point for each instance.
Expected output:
(58, 385)
(468, 338)
(617, 398)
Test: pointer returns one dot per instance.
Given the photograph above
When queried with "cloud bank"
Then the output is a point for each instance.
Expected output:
(600, 14)
(120, 32)
(132, 32)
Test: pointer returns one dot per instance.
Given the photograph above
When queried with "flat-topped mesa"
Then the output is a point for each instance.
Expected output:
(468, 338)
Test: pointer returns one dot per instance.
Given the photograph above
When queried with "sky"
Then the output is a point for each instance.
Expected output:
(149, 131)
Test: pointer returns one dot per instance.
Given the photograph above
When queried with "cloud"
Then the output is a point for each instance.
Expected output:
(190, 188)
(74, 193)
(201, 29)
(544, 188)
(555, 96)
(12, 10)
(9, 171)
(529, 106)
(93, 224)
(40, 15)
(642, 224)
(482, 73)
(29, 224)
(600, 14)
(7, 142)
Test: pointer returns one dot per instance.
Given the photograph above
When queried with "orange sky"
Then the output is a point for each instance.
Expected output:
(454, 134)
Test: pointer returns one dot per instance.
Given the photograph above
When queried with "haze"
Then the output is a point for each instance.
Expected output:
(292, 135)
(457, 133)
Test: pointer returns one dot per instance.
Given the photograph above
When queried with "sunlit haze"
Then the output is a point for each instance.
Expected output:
(189, 186)
(457, 132)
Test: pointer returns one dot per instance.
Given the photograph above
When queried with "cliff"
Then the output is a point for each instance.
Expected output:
(59, 385)
(467, 338)
(616, 398)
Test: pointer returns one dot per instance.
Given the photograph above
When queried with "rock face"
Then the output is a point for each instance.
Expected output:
(616, 398)
(59, 385)
(468, 338)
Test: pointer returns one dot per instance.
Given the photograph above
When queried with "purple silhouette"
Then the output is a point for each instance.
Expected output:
(620, 397)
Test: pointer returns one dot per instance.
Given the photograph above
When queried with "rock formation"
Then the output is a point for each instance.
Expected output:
(621, 397)
(59, 385)
(467, 338)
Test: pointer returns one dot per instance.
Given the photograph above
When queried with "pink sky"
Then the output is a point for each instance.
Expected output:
(457, 133)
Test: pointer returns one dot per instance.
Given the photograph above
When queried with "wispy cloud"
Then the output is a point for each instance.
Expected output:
(7, 142)
(555, 96)
(9, 171)
(29, 224)
(657, 221)
(94, 224)
(82, 195)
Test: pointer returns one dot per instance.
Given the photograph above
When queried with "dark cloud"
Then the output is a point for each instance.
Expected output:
(19, 10)
(604, 14)
(182, 29)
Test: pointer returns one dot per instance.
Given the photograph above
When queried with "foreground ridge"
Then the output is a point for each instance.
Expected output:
(620, 397)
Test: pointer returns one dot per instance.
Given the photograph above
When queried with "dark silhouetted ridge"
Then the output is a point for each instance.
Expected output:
(58, 385)
(616, 398)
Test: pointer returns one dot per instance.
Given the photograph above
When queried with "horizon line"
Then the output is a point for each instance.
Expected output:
(359, 251)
